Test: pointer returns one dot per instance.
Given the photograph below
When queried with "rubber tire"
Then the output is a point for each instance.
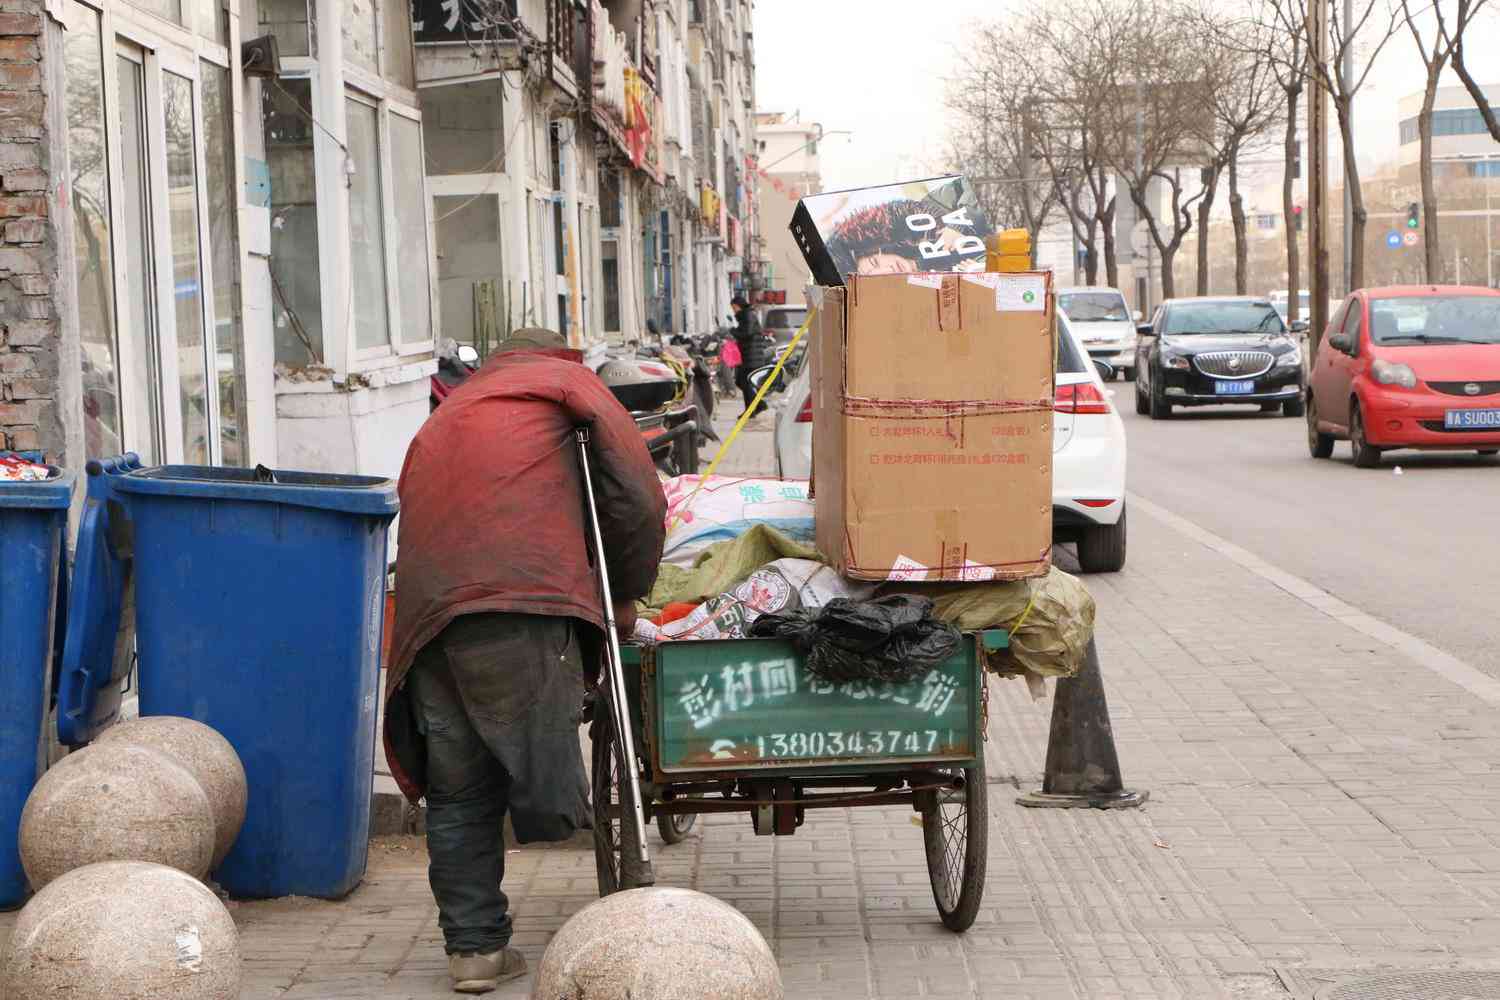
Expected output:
(1319, 445)
(1294, 408)
(1366, 456)
(614, 873)
(1269, 407)
(1487, 452)
(1160, 408)
(958, 914)
(1141, 406)
(1101, 547)
(1129, 374)
(674, 827)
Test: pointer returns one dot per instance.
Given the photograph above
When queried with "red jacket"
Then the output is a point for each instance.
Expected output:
(493, 518)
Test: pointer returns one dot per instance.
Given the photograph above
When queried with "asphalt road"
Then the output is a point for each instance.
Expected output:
(1419, 550)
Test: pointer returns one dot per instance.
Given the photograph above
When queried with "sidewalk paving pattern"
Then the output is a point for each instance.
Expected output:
(1319, 801)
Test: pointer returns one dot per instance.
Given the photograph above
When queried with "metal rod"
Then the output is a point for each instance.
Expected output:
(619, 708)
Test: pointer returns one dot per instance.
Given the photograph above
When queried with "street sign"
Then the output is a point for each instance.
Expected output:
(1410, 239)
(1393, 240)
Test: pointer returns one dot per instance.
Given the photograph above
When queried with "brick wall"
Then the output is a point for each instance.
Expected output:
(29, 416)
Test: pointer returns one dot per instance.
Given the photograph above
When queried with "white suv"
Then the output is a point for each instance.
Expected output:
(1103, 322)
(1088, 445)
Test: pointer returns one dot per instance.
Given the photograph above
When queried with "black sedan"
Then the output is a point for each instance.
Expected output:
(1212, 351)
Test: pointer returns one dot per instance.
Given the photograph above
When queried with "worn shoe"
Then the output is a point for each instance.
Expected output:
(476, 973)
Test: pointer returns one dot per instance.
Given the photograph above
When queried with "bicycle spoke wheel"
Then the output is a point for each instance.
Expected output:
(955, 831)
(614, 830)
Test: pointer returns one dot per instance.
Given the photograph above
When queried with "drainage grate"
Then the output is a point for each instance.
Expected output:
(1434, 984)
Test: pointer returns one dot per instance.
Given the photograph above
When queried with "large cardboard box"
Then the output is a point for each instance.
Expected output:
(929, 225)
(932, 426)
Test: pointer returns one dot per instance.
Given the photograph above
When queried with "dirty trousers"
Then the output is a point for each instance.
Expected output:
(498, 700)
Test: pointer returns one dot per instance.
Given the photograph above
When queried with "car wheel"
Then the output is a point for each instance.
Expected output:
(1366, 455)
(1160, 408)
(1141, 406)
(1487, 452)
(1319, 445)
(1101, 547)
(1269, 407)
(1294, 408)
(1129, 374)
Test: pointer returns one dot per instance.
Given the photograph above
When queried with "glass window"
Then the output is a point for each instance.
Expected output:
(223, 250)
(169, 9)
(361, 45)
(411, 231)
(470, 273)
(1228, 316)
(187, 283)
(372, 327)
(296, 283)
(287, 20)
(461, 126)
(611, 285)
(397, 58)
(145, 408)
(1442, 319)
(211, 22)
(87, 155)
(1069, 360)
(1094, 307)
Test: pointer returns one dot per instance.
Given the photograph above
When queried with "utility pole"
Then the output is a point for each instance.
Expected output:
(1317, 173)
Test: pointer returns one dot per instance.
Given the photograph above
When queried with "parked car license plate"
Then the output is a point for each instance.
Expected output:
(1478, 420)
(1234, 388)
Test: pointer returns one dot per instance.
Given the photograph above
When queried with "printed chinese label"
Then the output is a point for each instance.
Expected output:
(973, 572)
(925, 280)
(1020, 293)
(906, 569)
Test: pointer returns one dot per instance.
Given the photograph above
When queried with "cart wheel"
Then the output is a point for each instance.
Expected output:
(956, 832)
(615, 842)
(674, 827)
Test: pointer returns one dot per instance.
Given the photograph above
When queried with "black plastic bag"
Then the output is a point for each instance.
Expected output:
(891, 639)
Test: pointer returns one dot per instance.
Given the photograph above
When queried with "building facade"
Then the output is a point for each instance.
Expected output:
(788, 167)
(238, 231)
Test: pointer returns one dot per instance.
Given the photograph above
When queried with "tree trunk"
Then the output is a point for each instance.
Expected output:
(1288, 210)
(1091, 253)
(1241, 228)
(1111, 260)
(1210, 192)
(1168, 279)
(1356, 248)
(1434, 259)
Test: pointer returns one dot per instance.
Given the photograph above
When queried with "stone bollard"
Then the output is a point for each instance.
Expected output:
(662, 943)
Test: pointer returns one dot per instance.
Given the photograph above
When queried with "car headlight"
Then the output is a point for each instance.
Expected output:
(1393, 373)
(1289, 359)
(1175, 361)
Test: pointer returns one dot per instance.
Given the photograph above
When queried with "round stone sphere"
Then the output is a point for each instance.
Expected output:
(663, 943)
(207, 757)
(123, 929)
(115, 802)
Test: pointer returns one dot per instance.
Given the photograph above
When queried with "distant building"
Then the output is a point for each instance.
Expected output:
(1458, 130)
(788, 168)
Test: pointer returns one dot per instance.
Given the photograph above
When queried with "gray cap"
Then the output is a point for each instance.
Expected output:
(532, 338)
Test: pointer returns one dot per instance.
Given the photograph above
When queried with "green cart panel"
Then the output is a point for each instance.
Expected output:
(738, 704)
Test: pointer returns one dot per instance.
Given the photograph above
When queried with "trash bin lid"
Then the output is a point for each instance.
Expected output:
(54, 492)
(364, 495)
(94, 659)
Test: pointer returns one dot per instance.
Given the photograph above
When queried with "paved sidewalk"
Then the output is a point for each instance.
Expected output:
(1320, 803)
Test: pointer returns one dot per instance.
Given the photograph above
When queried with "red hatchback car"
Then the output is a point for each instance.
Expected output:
(1411, 366)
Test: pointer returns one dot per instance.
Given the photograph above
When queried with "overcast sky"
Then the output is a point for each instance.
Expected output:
(876, 68)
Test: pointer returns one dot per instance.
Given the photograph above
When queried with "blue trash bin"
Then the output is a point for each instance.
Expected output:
(33, 521)
(259, 606)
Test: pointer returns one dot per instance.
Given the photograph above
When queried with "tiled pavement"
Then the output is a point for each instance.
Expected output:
(1318, 801)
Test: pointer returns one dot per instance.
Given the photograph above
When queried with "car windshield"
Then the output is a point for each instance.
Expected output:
(1436, 319)
(1094, 307)
(785, 319)
(1188, 318)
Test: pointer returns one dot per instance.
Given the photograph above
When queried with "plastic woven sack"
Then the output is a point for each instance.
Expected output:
(727, 507)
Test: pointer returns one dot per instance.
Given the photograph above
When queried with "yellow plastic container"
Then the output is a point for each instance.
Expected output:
(1008, 251)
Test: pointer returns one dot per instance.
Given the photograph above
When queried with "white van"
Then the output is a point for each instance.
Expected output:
(1102, 321)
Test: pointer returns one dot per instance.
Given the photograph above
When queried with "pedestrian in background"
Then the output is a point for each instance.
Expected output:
(498, 621)
(755, 349)
(729, 362)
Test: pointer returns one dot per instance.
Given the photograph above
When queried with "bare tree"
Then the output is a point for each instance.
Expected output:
(1435, 54)
(1366, 33)
(1463, 16)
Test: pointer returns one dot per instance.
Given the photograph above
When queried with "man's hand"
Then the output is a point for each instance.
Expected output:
(625, 618)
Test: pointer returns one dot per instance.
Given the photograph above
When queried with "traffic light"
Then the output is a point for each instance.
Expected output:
(1297, 218)
(1413, 216)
